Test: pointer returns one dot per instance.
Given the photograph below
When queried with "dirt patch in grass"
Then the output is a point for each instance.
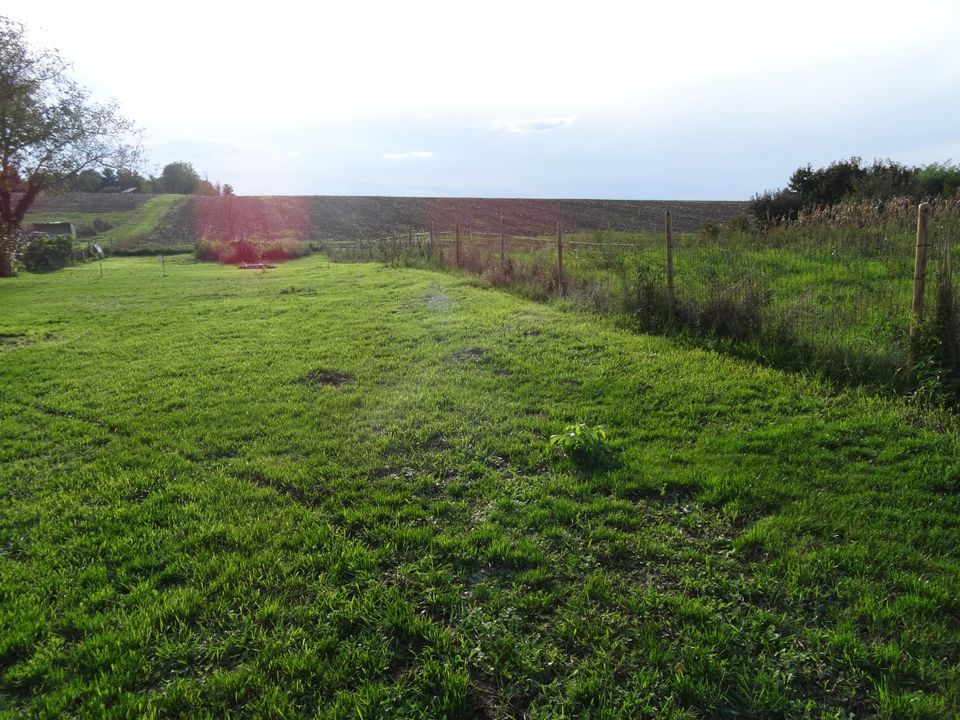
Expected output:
(470, 353)
(486, 699)
(297, 291)
(292, 492)
(9, 342)
(393, 472)
(437, 443)
(439, 302)
(321, 376)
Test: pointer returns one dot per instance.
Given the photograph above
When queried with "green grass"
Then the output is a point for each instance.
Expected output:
(327, 491)
(832, 300)
(131, 228)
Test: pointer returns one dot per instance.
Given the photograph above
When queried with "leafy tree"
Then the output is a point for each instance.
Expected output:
(886, 179)
(826, 186)
(939, 179)
(180, 177)
(110, 179)
(151, 184)
(775, 206)
(92, 181)
(205, 187)
(227, 190)
(50, 132)
(127, 179)
(849, 179)
(89, 181)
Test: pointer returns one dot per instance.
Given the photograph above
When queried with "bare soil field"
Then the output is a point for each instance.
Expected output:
(365, 216)
(343, 217)
(88, 203)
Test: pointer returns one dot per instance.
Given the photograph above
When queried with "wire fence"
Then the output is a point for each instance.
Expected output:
(834, 295)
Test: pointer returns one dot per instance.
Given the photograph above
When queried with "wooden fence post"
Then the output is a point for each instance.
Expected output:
(431, 239)
(560, 282)
(456, 224)
(919, 282)
(671, 290)
(945, 301)
(502, 244)
(946, 264)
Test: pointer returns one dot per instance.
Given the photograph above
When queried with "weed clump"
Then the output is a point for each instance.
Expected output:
(585, 445)
(326, 377)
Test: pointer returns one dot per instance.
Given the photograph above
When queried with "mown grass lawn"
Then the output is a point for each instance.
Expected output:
(326, 491)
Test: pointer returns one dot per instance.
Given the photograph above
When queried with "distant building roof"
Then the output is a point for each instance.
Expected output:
(57, 228)
(129, 190)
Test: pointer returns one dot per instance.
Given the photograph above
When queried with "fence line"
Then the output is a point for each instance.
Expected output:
(848, 300)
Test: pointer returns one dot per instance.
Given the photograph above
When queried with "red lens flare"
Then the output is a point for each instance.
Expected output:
(243, 230)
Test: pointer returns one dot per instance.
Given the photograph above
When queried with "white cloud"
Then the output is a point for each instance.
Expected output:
(411, 155)
(293, 153)
(531, 126)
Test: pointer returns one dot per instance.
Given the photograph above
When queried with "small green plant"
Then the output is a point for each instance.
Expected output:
(585, 445)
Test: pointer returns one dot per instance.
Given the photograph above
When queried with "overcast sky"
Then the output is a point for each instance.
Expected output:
(678, 100)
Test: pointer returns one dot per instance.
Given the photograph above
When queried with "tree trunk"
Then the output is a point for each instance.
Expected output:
(6, 262)
(11, 216)
(10, 238)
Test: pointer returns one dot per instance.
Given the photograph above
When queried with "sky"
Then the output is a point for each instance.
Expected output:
(620, 100)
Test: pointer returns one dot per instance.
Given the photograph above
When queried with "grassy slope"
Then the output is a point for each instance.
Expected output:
(191, 526)
(130, 227)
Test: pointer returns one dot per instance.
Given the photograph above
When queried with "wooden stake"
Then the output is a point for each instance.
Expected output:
(502, 244)
(947, 243)
(560, 282)
(946, 264)
(919, 281)
(945, 295)
(671, 290)
(456, 222)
